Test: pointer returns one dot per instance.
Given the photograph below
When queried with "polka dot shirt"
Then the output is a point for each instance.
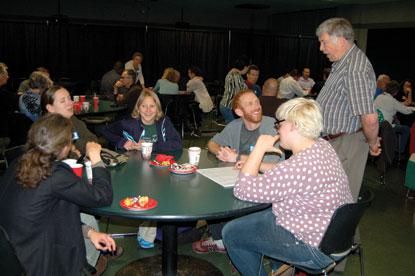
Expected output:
(304, 190)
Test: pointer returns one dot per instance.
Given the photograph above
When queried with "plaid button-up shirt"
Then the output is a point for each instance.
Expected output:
(348, 93)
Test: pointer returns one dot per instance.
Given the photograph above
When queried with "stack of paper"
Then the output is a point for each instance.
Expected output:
(225, 176)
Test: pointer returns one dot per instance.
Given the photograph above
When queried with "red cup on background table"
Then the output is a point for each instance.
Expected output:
(82, 98)
(77, 107)
(96, 103)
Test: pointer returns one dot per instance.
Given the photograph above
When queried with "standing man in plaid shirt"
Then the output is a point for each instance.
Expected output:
(349, 117)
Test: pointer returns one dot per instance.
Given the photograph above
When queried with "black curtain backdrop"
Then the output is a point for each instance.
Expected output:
(181, 49)
(84, 52)
(390, 52)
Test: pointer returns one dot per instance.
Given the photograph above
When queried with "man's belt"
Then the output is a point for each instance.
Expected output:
(329, 137)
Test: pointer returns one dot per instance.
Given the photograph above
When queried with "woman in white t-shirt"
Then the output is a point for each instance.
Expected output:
(196, 85)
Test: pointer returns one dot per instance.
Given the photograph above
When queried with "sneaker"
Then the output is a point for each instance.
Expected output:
(144, 244)
(208, 245)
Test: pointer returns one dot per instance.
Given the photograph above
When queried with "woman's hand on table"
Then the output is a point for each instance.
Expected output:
(102, 241)
(130, 145)
(93, 151)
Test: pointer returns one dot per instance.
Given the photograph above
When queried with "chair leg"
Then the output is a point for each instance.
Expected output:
(293, 271)
(362, 262)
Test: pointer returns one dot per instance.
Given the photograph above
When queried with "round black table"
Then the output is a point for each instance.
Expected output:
(180, 198)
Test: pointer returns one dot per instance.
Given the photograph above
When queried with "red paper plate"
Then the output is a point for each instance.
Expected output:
(152, 203)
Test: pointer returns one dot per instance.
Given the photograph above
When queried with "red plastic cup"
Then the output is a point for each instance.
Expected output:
(82, 98)
(77, 169)
(77, 107)
(96, 103)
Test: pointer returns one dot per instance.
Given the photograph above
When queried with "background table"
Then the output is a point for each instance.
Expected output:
(180, 198)
(104, 107)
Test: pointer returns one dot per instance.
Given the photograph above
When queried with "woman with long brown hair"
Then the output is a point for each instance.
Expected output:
(40, 197)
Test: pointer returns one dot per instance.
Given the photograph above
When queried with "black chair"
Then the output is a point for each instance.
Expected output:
(9, 263)
(338, 241)
(388, 144)
(12, 153)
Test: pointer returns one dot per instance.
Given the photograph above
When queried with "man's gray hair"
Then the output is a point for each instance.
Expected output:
(338, 27)
(381, 77)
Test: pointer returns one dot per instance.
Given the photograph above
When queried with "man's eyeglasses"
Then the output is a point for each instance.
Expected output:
(277, 123)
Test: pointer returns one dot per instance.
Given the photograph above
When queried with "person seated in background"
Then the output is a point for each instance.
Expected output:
(319, 84)
(147, 124)
(405, 93)
(389, 106)
(24, 85)
(195, 85)
(305, 81)
(29, 101)
(298, 189)
(167, 85)
(8, 104)
(381, 83)
(237, 139)
(135, 65)
(126, 92)
(289, 87)
(41, 196)
(110, 78)
(234, 83)
(269, 101)
(252, 76)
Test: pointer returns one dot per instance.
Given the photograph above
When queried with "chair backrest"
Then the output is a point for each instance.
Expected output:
(9, 263)
(339, 234)
(12, 153)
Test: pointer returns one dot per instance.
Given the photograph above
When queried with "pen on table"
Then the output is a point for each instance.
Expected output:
(128, 136)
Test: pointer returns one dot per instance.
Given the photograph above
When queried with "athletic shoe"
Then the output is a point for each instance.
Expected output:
(144, 244)
(208, 245)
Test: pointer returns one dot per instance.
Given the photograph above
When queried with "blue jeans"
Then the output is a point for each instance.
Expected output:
(249, 238)
(227, 114)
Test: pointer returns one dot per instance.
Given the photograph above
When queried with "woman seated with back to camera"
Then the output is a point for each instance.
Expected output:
(195, 85)
(41, 196)
(29, 102)
(304, 190)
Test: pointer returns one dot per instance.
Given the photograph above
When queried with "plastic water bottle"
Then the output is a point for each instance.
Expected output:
(88, 169)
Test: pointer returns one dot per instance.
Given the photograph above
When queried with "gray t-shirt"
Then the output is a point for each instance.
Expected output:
(248, 140)
(231, 136)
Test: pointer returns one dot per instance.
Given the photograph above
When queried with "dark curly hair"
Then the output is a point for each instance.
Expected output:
(46, 141)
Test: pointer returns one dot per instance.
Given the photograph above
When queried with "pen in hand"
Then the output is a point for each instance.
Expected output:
(128, 136)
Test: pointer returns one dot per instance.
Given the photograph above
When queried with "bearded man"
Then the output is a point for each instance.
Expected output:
(238, 138)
